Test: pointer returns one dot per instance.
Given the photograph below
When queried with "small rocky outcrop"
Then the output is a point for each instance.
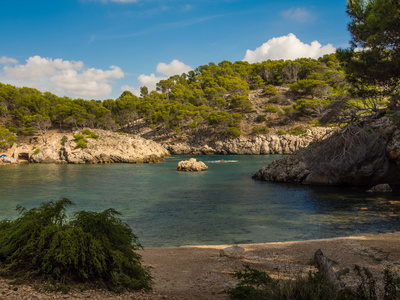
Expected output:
(110, 147)
(233, 252)
(380, 188)
(358, 155)
(191, 165)
(254, 145)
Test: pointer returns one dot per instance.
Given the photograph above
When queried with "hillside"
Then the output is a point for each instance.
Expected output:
(215, 102)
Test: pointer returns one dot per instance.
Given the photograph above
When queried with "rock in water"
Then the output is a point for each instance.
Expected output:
(191, 165)
(380, 188)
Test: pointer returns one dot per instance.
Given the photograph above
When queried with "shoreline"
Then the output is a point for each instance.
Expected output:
(199, 272)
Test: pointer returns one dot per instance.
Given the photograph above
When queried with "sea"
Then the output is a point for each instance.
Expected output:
(222, 205)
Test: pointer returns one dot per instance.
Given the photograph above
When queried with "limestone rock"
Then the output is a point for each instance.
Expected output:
(380, 188)
(191, 165)
(233, 251)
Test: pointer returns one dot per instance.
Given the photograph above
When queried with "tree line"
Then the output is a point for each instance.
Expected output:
(212, 97)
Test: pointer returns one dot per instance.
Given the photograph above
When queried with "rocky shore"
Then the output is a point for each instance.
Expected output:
(253, 145)
(358, 155)
(109, 147)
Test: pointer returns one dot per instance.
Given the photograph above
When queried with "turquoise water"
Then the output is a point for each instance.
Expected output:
(222, 205)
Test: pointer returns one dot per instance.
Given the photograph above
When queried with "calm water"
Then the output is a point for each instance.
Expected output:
(222, 205)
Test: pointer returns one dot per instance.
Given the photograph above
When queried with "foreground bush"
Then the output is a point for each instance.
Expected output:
(258, 285)
(94, 248)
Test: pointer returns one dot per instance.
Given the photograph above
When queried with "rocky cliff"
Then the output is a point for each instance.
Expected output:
(110, 147)
(357, 155)
(261, 144)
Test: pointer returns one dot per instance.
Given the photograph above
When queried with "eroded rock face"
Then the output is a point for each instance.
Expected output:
(262, 144)
(367, 156)
(191, 165)
(110, 147)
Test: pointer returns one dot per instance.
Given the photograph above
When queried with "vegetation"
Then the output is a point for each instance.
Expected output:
(258, 285)
(90, 248)
(80, 140)
(7, 139)
(206, 101)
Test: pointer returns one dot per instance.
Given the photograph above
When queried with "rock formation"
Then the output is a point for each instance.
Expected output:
(110, 147)
(191, 165)
(356, 156)
(261, 144)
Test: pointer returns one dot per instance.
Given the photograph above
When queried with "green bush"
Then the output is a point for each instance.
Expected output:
(90, 134)
(37, 151)
(82, 143)
(260, 118)
(281, 132)
(64, 140)
(7, 139)
(272, 109)
(257, 130)
(258, 285)
(233, 132)
(270, 90)
(80, 140)
(299, 130)
(91, 247)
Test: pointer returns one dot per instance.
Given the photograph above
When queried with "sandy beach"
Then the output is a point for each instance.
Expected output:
(199, 272)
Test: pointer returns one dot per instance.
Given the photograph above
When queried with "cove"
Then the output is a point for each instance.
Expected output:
(222, 205)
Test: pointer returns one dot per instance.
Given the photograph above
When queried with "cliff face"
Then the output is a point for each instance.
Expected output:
(110, 147)
(268, 144)
(356, 156)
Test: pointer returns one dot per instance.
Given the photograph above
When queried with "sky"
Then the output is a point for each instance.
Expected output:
(96, 49)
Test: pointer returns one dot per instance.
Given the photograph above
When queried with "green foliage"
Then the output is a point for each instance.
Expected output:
(88, 248)
(272, 109)
(90, 134)
(258, 285)
(260, 118)
(305, 105)
(299, 130)
(80, 140)
(37, 151)
(394, 117)
(281, 132)
(233, 132)
(270, 90)
(64, 140)
(257, 130)
(7, 139)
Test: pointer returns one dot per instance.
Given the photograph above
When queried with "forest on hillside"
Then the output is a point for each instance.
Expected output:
(213, 98)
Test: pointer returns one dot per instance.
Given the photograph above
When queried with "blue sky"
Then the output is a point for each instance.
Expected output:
(95, 49)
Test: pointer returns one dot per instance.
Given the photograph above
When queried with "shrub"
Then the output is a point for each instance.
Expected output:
(7, 139)
(90, 134)
(270, 90)
(37, 151)
(272, 109)
(89, 248)
(82, 143)
(281, 132)
(260, 119)
(257, 130)
(299, 130)
(64, 140)
(80, 140)
(233, 132)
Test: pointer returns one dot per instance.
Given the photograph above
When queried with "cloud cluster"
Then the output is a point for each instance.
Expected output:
(61, 77)
(175, 67)
(287, 47)
(7, 60)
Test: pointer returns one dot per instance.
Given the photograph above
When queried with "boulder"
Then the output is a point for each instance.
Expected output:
(191, 165)
(233, 251)
(380, 188)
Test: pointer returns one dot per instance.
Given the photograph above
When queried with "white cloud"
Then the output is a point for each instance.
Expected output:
(62, 77)
(4, 60)
(287, 47)
(174, 68)
(297, 14)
